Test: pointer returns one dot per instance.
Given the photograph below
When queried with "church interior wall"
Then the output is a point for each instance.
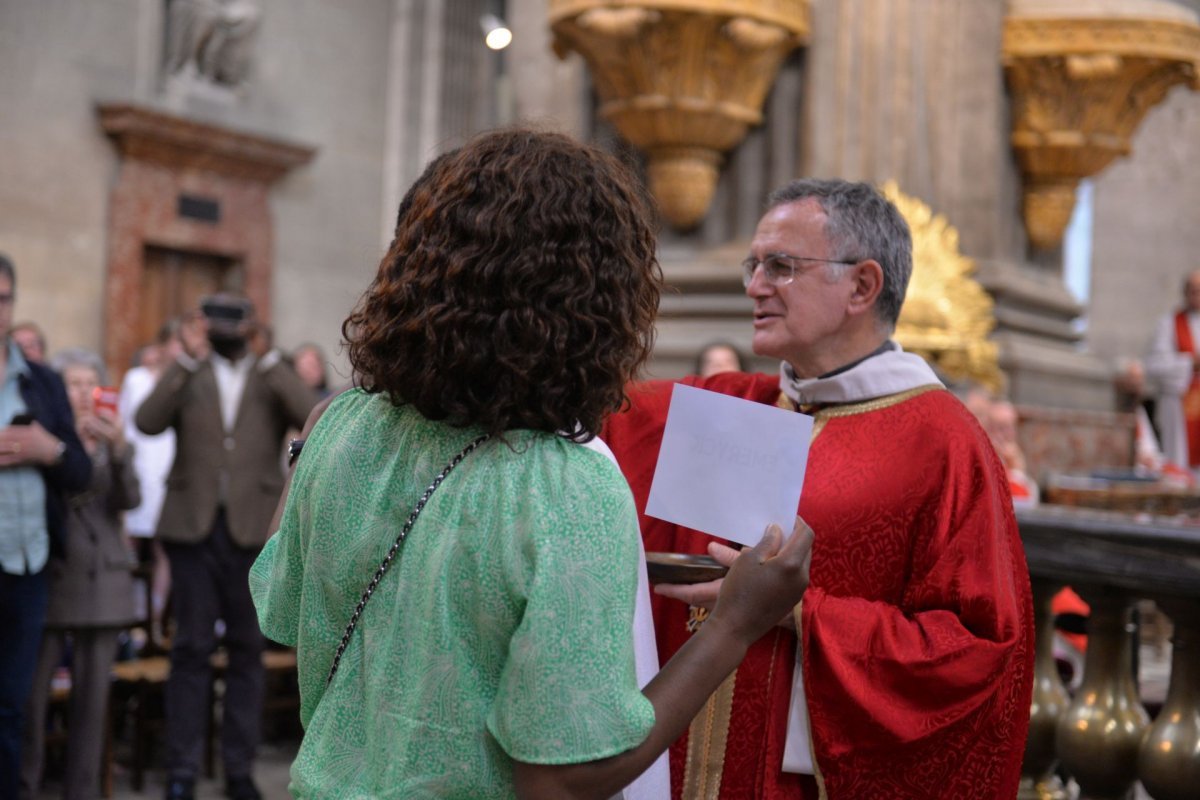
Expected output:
(56, 167)
(902, 89)
(913, 91)
(319, 79)
(546, 90)
(1146, 229)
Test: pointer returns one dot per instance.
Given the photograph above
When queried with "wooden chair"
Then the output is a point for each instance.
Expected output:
(137, 695)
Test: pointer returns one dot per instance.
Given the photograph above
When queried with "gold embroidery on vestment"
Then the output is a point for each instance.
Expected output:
(707, 736)
(866, 406)
(822, 415)
(820, 418)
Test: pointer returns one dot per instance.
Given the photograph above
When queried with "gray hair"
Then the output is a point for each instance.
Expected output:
(79, 357)
(861, 224)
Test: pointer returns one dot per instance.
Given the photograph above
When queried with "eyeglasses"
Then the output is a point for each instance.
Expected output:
(780, 268)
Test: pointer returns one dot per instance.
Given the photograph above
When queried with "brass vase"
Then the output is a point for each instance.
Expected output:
(1099, 735)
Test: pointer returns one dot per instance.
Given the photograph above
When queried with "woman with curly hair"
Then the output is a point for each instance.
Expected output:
(489, 651)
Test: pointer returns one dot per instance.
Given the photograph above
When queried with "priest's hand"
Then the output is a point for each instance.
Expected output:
(704, 595)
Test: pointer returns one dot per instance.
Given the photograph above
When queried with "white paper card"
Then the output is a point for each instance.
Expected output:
(729, 467)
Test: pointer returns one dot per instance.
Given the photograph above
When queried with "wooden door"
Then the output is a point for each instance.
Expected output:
(174, 281)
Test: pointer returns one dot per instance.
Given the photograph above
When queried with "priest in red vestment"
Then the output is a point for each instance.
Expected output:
(906, 670)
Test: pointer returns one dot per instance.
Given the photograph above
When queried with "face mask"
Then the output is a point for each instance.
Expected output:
(227, 346)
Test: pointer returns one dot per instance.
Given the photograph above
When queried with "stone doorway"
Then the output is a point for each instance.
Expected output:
(189, 215)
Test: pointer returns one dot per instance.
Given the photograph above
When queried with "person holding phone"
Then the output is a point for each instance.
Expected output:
(91, 586)
(230, 409)
(41, 460)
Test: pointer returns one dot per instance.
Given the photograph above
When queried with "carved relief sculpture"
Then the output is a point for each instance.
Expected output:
(682, 80)
(1082, 75)
(947, 316)
(211, 41)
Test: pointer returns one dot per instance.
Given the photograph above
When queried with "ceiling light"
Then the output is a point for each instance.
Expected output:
(496, 34)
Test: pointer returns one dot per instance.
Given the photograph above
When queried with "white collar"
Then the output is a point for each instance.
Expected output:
(879, 375)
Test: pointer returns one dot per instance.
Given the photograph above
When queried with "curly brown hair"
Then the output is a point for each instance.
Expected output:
(519, 292)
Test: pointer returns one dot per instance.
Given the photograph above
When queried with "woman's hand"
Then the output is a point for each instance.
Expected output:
(705, 595)
(764, 583)
(106, 427)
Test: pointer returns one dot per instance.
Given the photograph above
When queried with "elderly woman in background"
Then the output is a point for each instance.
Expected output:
(91, 588)
(493, 655)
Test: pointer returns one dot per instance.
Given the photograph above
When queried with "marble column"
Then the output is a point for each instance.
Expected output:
(913, 90)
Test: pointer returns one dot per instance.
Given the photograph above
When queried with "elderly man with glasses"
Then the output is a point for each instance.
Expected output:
(906, 670)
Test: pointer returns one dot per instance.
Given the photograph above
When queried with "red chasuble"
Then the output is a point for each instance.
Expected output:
(1191, 398)
(917, 627)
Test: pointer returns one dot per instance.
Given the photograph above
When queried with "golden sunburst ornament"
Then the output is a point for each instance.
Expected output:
(947, 316)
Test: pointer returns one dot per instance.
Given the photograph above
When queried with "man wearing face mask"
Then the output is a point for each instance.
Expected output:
(230, 410)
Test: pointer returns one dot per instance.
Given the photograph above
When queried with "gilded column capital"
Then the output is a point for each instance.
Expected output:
(947, 316)
(1081, 83)
(681, 80)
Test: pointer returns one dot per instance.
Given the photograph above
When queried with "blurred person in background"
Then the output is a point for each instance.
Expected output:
(41, 461)
(152, 459)
(1132, 396)
(1172, 367)
(261, 340)
(230, 409)
(312, 367)
(1001, 427)
(91, 589)
(32, 341)
(717, 357)
(978, 401)
(999, 420)
(1129, 384)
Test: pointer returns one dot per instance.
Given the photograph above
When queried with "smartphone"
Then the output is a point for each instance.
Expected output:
(106, 397)
(21, 419)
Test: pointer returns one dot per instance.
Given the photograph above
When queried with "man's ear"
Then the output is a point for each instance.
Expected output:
(868, 283)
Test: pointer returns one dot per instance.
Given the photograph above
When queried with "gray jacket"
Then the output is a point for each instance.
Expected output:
(93, 585)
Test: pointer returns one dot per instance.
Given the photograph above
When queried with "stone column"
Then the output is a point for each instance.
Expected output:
(548, 90)
(913, 90)
(413, 88)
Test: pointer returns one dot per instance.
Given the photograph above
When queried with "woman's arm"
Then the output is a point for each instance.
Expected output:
(309, 424)
(762, 586)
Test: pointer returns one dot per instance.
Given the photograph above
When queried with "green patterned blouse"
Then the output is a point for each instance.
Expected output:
(501, 631)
